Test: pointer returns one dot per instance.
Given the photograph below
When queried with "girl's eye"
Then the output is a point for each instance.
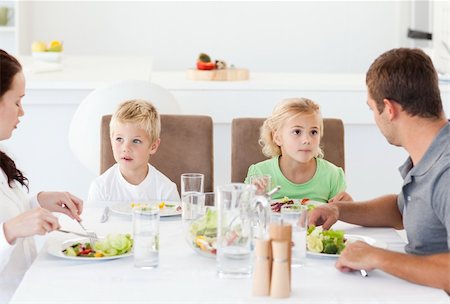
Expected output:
(314, 132)
(137, 141)
(297, 132)
(119, 139)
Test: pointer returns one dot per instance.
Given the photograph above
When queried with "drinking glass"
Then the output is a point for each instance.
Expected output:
(234, 230)
(191, 186)
(297, 215)
(263, 183)
(146, 236)
(201, 232)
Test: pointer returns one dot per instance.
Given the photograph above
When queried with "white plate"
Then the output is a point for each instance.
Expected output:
(350, 239)
(310, 202)
(57, 248)
(125, 208)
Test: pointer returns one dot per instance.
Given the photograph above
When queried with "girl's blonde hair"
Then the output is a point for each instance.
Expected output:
(282, 112)
(140, 112)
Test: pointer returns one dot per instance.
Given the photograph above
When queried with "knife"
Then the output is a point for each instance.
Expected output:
(73, 232)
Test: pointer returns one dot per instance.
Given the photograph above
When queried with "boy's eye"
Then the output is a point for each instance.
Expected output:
(119, 139)
(137, 141)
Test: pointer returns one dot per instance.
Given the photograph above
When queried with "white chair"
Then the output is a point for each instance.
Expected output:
(84, 132)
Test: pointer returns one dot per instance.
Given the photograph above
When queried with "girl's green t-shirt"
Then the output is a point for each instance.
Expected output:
(328, 180)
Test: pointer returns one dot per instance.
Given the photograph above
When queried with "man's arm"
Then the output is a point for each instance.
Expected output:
(379, 212)
(432, 270)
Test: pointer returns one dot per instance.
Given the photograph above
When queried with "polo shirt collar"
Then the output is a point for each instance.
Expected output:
(434, 152)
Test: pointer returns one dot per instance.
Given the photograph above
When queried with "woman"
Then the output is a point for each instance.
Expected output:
(20, 217)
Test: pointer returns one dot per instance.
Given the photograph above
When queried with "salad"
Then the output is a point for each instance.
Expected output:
(276, 206)
(325, 241)
(203, 232)
(162, 205)
(112, 245)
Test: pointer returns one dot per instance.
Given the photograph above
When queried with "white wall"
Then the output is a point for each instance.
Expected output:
(305, 36)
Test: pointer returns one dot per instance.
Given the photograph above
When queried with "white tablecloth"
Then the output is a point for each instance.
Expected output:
(185, 277)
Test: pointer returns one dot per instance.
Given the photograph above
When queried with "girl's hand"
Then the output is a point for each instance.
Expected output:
(341, 196)
(63, 202)
(32, 222)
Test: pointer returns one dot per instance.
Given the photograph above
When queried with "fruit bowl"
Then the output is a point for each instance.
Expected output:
(201, 233)
(47, 56)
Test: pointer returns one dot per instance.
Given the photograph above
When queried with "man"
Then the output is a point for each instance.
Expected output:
(403, 94)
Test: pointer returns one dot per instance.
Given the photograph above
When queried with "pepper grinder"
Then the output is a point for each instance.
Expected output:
(279, 284)
(282, 232)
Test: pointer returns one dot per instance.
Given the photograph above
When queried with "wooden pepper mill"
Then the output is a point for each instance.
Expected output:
(281, 237)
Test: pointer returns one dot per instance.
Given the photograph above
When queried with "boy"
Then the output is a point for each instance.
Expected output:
(135, 129)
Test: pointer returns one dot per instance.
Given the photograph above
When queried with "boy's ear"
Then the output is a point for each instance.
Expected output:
(154, 146)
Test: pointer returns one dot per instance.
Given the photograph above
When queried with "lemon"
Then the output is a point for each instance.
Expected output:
(314, 243)
(55, 46)
(38, 46)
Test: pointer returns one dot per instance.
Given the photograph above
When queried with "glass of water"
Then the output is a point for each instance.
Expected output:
(146, 236)
(297, 215)
(191, 186)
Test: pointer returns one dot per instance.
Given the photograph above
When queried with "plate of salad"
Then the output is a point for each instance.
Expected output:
(278, 203)
(166, 208)
(330, 243)
(113, 246)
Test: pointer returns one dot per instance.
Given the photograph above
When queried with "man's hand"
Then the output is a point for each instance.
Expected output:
(325, 216)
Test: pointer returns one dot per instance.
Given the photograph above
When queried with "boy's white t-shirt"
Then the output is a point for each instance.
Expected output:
(112, 186)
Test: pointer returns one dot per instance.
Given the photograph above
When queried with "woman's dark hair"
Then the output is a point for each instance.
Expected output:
(9, 67)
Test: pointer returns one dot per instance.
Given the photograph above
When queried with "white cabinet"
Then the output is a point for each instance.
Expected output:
(9, 33)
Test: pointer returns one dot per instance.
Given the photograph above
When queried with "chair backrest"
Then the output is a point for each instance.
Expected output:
(245, 149)
(186, 146)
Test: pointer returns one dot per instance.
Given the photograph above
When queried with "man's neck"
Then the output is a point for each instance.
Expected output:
(419, 134)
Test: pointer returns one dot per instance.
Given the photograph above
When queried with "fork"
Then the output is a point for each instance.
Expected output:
(92, 235)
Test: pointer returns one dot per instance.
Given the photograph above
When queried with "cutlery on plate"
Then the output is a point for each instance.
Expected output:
(73, 232)
(92, 235)
(363, 273)
(105, 215)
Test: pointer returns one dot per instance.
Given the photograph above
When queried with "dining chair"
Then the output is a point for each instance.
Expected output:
(186, 146)
(246, 150)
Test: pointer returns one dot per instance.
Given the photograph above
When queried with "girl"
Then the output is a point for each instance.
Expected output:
(291, 138)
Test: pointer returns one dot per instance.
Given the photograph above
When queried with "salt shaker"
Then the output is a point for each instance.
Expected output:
(262, 269)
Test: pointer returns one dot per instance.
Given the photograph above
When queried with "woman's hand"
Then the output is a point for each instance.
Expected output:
(32, 222)
(341, 196)
(63, 202)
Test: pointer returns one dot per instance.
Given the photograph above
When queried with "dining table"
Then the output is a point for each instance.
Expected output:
(184, 276)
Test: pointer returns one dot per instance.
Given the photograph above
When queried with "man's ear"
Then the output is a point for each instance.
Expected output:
(154, 146)
(392, 108)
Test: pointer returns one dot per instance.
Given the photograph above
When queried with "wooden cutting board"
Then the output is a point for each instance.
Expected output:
(234, 74)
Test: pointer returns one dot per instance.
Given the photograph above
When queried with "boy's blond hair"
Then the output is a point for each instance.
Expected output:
(283, 111)
(140, 112)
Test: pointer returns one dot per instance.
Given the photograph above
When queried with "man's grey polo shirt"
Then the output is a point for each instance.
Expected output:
(425, 198)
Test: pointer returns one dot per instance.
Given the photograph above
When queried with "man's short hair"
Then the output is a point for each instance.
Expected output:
(408, 77)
